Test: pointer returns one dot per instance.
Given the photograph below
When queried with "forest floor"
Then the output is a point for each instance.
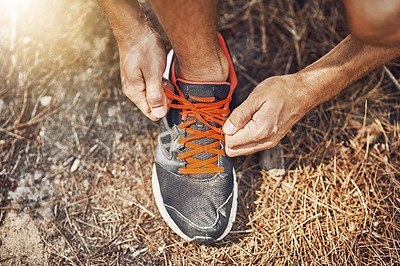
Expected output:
(76, 155)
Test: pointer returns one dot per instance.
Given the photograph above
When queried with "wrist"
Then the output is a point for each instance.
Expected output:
(307, 90)
(129, 36)
(320, 84)
(126, 18)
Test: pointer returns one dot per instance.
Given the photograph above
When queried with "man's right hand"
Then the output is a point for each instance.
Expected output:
(142, 56)
(142, 63)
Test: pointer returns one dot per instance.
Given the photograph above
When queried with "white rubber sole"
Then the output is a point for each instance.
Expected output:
(172, 224)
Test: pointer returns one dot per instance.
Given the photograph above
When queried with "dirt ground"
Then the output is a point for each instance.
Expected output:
(76, 155)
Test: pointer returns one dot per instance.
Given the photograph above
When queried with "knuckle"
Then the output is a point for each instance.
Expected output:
(259, 136)
(263, 136)
(259, 132)
(134, 100)
(130, 95)
(238, 116)
(133, 86)
(154, 98)
(274, 130)
(271, 133)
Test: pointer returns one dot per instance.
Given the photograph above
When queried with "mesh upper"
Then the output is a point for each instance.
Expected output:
(195, 199)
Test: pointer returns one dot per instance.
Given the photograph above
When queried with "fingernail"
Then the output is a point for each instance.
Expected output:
(158, 111)
(229, 128)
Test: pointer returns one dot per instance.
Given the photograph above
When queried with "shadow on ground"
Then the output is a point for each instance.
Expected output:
(76, 155)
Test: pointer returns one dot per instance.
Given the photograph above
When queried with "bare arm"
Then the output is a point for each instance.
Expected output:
(277, 103)
(350, 60)
(125, 16)
(142, 56)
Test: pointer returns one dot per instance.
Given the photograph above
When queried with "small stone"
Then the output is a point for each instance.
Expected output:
(85, 184)
(38, 175)
(75, 165)
(45, 100)
(118, 136)
(112, 111)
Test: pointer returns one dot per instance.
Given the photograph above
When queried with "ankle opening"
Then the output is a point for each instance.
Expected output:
(203, 68)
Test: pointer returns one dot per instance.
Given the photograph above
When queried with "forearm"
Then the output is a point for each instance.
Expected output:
(347, 62)
(125, 16)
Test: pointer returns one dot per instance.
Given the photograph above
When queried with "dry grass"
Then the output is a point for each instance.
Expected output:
(338, 203)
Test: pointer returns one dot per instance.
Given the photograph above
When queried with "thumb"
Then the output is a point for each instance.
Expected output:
(240, 116)
(156, 97)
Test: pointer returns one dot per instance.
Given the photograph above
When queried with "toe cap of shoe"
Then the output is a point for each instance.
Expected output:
(205, 233)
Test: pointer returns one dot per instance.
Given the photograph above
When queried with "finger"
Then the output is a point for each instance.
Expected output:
(262, 126)
(252, 148)
(155, 95)
(253, 132)
(136, 93)
(241, 115)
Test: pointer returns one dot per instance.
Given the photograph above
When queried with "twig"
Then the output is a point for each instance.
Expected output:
(6, 259)
(33, 121)
(24, 103)
(11, 134)
(239, 10)
(392, 77)
(263, 31)
(362, 200)
(95, 111)
(66, 240)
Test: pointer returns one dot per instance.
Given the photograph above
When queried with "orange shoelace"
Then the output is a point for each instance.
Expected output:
(205, 113)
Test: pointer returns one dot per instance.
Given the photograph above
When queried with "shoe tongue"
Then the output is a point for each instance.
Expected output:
(204, 92)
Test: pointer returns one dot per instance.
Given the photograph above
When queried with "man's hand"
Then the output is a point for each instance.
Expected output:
(265, 116)
(277, 103)
(142, 56)
(142, 63)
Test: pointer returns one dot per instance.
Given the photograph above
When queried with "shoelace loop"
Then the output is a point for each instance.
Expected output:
(206, 113)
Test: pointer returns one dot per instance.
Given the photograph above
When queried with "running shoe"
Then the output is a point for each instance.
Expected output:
(194, 182)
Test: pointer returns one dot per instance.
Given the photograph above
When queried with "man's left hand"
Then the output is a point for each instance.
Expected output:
(265, 117)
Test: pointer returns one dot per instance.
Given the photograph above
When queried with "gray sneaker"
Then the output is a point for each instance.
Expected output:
(194, 183)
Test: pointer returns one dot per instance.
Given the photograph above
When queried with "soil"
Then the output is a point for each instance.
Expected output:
(76, 154)
(21, 241)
